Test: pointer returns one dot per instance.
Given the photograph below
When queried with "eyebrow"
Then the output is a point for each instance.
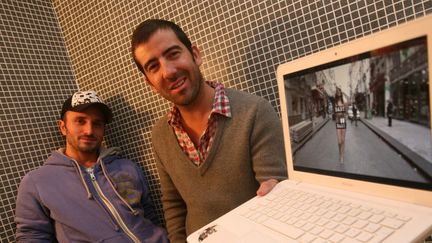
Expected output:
(174, 47)
(87, 118)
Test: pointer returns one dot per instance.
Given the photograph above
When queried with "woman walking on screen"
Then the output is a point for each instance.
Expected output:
(339, 107)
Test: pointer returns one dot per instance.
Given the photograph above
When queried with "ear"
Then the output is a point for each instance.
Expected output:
(197, 55)
(62, 126)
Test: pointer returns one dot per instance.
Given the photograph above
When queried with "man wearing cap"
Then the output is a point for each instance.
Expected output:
(85, 192)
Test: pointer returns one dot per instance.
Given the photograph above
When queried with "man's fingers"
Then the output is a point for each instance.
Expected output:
(266, 187)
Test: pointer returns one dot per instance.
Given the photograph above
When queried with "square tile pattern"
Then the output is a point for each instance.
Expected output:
(49, 49)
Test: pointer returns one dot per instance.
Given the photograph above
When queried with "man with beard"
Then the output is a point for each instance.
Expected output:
(85, 192)
(217, 147)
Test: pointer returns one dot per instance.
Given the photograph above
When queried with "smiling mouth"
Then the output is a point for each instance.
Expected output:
(87, 139)
(178, 84)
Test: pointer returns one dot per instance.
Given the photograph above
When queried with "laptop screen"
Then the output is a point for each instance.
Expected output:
(365, 116)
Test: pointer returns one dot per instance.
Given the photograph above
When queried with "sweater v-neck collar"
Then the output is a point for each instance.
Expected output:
(207, 162)
(217, 138)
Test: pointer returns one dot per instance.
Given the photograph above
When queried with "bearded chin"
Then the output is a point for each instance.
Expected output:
(188, 98)
(89, 149)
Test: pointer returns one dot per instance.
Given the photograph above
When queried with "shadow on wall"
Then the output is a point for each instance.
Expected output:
(131, 132)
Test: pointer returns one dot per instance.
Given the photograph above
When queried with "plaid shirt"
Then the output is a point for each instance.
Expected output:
(220, 107)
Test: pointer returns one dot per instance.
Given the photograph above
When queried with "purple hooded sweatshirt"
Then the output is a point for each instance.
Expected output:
(65, 202)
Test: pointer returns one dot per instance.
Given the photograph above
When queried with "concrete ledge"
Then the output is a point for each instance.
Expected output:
(299, 131)
(422, 165)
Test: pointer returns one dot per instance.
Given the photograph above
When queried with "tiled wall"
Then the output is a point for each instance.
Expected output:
(35, 76)
(242, 43)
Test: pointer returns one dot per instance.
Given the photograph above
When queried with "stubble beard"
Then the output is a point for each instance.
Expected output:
(81, 147)
(195, 90)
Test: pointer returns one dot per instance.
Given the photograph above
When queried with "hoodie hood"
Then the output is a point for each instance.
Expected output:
(58, 157)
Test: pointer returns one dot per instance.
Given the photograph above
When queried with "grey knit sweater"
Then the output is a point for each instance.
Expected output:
(247, 149)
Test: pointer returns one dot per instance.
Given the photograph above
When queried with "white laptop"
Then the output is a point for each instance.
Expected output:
(382, 190)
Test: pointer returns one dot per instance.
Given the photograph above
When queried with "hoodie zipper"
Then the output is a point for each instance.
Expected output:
(110, 207)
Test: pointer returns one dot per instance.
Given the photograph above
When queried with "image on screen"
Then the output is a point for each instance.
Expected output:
(365, 117)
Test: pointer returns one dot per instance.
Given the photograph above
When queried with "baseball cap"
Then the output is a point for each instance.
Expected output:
(81, 100)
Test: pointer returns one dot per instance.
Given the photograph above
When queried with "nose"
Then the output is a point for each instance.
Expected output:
(88, 129)
(168, 70)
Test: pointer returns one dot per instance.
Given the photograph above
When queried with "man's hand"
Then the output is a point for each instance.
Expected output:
(266, 187)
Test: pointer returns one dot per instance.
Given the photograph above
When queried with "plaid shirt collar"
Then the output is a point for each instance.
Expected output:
(220, 105)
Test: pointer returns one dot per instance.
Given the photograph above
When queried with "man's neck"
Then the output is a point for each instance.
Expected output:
(88, 163)
(201, 107)
(84, 159)
(194, 117)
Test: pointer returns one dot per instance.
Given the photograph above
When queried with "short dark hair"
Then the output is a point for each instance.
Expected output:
(147, 28)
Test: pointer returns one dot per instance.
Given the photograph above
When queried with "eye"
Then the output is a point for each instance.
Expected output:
(152, 68)
(99, 124)
(80, 121)
(174, 54)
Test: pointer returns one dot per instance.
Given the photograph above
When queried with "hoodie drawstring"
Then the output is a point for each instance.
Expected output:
(78, 169)
(134, 212)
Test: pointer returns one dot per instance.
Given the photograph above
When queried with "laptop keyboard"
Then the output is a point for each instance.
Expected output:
(309, 217)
